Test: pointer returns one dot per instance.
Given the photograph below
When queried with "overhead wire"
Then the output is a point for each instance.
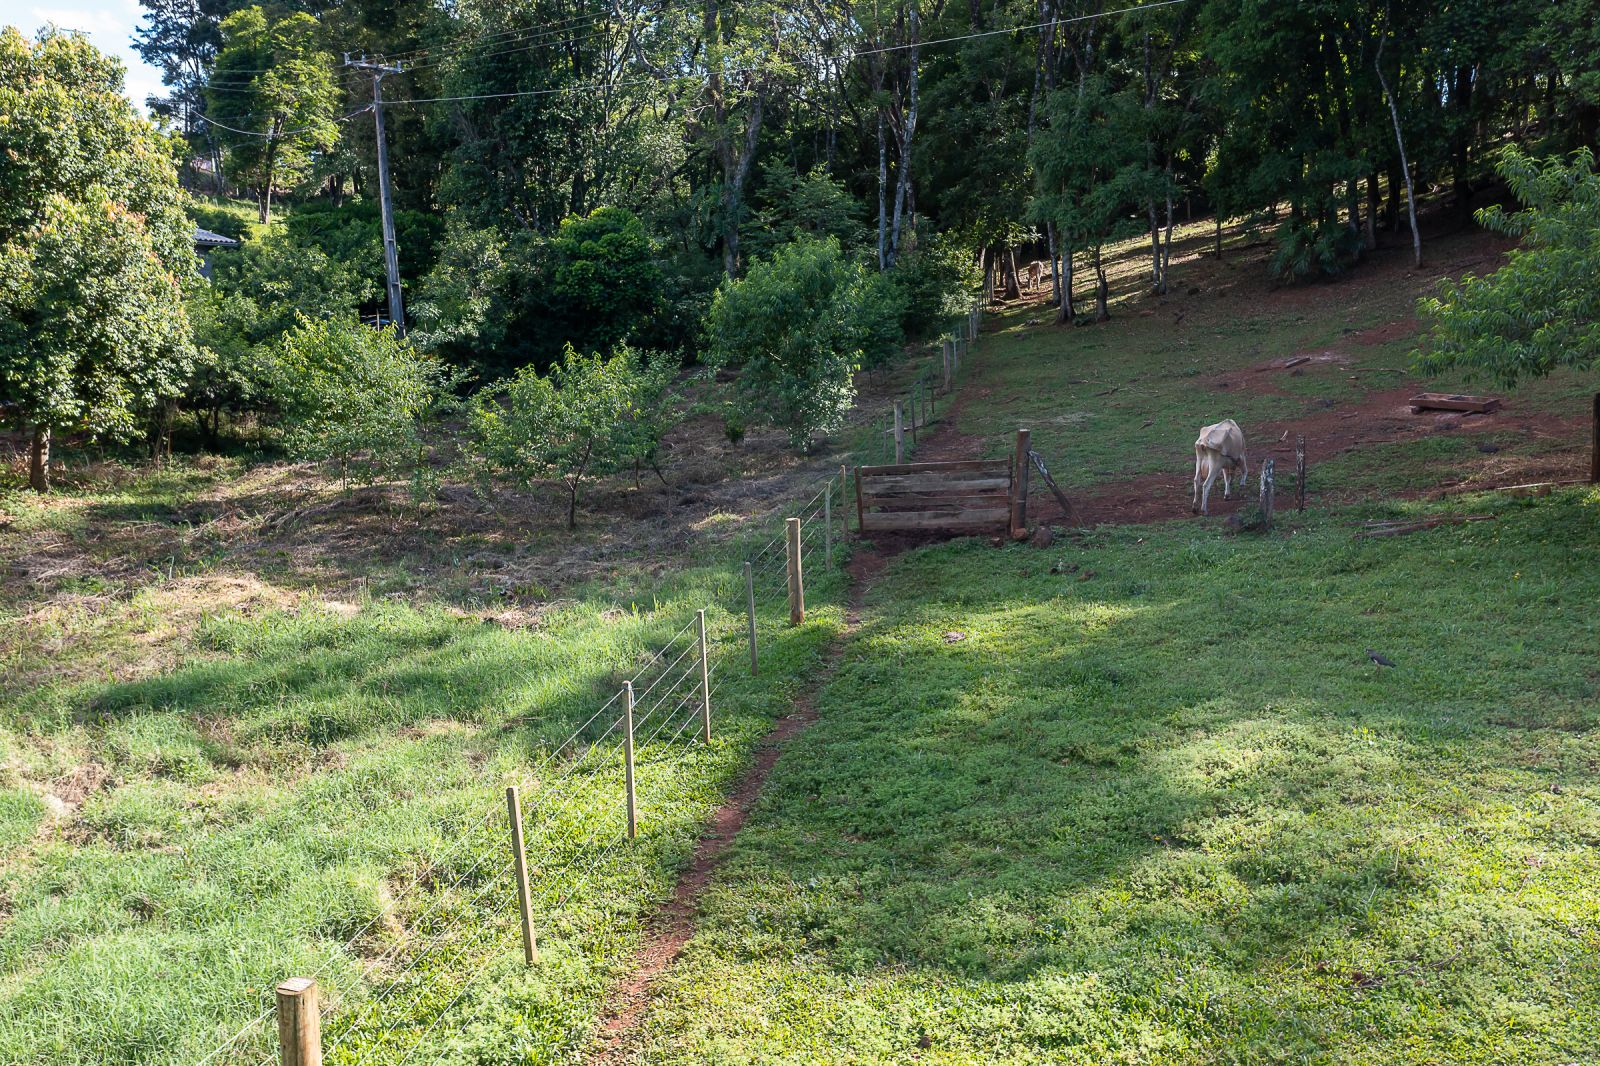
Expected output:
(847, 56)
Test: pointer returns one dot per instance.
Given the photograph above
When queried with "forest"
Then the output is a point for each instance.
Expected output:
(780, 192)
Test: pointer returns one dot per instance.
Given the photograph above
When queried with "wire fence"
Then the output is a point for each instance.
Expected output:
(458, 905)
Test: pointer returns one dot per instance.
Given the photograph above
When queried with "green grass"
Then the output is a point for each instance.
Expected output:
(263, 803)
(1123, 398)
(1171, 813)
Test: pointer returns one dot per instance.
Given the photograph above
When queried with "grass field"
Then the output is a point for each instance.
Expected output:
(1143, 798)
(1138, 797)
(309, 785)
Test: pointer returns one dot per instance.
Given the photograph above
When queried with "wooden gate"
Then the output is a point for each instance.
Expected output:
(973, 496)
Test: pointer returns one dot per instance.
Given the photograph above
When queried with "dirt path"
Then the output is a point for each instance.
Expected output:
(671, 928)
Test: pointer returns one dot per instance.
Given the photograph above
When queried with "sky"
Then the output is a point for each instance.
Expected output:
(109, 25)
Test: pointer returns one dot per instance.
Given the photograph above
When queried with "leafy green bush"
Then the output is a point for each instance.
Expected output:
(591, 415)
(937, 277)
(1309, 251)
(797, 327)
(795, 205)
(1539, 311)
(500, 302)
(360, 397)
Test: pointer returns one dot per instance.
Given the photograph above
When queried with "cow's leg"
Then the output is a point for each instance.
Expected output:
(1227, 488)
(1205, 491)
(1194, 501)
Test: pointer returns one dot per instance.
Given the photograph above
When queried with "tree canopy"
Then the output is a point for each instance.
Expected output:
(1541, 310)
(95, 249)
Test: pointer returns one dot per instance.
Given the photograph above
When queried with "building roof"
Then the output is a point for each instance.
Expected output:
(204, 238)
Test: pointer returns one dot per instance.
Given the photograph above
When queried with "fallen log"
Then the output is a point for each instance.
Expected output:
(1398, 527)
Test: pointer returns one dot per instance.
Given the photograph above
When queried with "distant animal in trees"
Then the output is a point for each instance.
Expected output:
(1218, 450)
(1035, 274)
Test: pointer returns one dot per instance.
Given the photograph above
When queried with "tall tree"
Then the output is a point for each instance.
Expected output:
(94, 249)
(272, 98)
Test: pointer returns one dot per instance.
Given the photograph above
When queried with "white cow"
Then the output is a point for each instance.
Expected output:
(1220, 449)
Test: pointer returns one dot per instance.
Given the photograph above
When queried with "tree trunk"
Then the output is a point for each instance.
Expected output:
(572, 504)
(1166, 241)
(1013, 286)
(1068, 312)
(735, 159)
(1405, 167)
(907, 133)
(264, 202)
(1102, 291)
(1158, 284)
(1373, 201)
(883, 184)
(39, 460)
(1055, 261)
(1219, 236)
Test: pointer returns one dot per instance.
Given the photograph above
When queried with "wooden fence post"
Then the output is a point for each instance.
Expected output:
(1299, 472)
(797, 591)
(627, 759)
(1019, 485)
(916, 402)
(705, 678)
(945, 347)
(750, 609)
(1594, 453)
(530, 945)
(827, 526)
(1267, 489)
(861, 510)
(299, 1023)
(899, 434)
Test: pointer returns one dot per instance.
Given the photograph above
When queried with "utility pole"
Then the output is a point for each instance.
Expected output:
(391, 254)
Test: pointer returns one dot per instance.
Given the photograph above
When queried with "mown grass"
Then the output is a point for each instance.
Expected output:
(1143, 798)
(262, 810)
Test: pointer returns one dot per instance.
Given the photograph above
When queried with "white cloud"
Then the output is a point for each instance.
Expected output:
(109, 25)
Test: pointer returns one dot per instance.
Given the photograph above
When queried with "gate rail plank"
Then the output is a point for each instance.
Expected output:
(969, 495)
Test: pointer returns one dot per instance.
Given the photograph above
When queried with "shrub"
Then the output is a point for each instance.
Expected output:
(1307, 251)
(936, 278)
(797, 328)
(1538, 312)
(591, 415)
(360, 397)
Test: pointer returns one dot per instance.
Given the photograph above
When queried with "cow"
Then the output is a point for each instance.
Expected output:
(1219, 449)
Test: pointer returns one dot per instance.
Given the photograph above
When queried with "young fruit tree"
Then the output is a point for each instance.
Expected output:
(95, 250)
(591, 415)
(360, 397)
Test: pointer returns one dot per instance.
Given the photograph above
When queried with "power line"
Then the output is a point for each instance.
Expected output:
(845, 57)
(280, 133)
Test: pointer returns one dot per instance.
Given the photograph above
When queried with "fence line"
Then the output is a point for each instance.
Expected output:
(577, 783)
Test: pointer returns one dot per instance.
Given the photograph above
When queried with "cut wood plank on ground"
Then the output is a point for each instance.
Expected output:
(1443, 401)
